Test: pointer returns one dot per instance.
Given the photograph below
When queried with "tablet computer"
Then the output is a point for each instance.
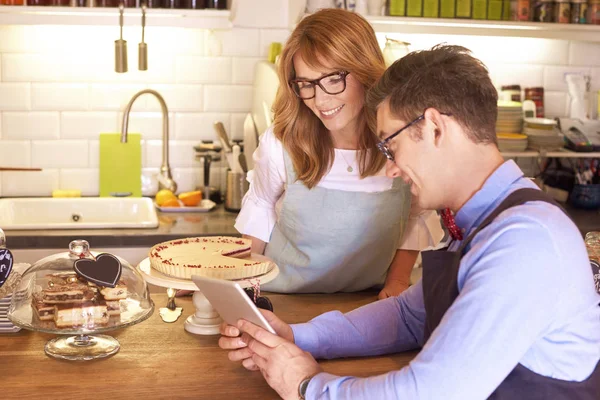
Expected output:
(230, 301)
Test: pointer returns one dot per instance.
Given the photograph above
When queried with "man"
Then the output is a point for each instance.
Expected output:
(508, 311)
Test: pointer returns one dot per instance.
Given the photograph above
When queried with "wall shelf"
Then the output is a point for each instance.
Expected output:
(28, 15)
(579, 32)
(543, 154)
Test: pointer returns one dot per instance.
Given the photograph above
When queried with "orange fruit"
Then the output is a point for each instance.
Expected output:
(171, 203)
(163, 196)
(191, 199)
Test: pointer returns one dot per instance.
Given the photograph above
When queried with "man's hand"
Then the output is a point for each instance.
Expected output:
(392, 288)
(283, 364)
(231, 339)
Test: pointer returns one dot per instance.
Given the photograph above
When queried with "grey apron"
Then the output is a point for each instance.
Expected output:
(440, 289)
(328, 240)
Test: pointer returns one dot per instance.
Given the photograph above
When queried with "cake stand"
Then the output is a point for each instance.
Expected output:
(205, 320)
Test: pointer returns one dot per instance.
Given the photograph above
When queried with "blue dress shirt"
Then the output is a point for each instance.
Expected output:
(526, 296)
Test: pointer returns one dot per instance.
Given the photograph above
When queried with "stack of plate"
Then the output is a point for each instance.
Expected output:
(543, 134)
(511, 142)
(510, 117)
(5, 325)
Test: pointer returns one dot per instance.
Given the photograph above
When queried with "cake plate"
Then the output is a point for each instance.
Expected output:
(205, 320)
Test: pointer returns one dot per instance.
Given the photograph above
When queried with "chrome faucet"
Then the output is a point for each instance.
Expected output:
(165, 180)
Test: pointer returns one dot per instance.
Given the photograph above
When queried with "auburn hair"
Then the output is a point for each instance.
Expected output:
(346, 41)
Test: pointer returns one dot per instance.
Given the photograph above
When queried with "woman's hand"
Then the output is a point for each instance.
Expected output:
(283, 364)
(232, 339)
(392, 288)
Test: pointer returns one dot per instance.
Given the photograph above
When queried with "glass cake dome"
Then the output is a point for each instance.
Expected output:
(79, 294)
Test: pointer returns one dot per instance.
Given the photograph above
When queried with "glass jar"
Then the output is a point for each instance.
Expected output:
(536, 94)
(594, 12)
(544, 11)
(511, 93)
(562, 11)
(579, 10)
(592, 244)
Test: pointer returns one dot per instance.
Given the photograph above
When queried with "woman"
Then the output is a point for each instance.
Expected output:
(319, 202)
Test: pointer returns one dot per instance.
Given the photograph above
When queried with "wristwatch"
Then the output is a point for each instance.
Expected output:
(303, 386)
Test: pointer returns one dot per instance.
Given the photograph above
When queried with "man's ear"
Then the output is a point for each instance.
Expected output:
(437, 125)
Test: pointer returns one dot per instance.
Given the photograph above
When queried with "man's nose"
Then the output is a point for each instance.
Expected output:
(391, 169)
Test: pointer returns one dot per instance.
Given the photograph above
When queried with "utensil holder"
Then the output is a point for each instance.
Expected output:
(237, 186)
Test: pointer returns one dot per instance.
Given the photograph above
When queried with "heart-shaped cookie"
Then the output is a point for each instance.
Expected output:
(6, 263)
(104, 271)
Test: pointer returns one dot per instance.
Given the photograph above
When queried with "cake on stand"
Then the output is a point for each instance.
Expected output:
(205, 320)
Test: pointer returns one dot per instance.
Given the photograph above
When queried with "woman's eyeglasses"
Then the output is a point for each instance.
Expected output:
(334, 83)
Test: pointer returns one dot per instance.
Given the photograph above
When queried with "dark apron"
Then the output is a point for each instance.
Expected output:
(440, 289)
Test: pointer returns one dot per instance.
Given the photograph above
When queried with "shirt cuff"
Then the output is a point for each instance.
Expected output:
(318, 384)
(306, 337)
(423, 231)
(255, 220)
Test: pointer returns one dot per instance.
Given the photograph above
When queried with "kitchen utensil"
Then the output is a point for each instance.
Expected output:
(120, 165)
(121, 46)
(19, 169)
(237, 186)
(143, 47)
(243, 163)
(235, 166)
(222, 135)
(250, 140)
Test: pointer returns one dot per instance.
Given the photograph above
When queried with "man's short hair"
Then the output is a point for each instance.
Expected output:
(447, 78)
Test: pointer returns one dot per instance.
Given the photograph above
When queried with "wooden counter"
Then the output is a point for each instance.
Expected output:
(162, 361)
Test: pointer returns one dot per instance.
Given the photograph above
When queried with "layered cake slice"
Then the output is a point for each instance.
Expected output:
(45, 312)
(84, 315)
(217, 257)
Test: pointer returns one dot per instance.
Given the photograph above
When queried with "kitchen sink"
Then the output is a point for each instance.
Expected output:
(77, 213)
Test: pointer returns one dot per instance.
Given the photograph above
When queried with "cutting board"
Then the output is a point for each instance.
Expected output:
(120, 165)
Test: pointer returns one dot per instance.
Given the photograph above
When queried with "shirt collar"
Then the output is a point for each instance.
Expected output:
(488, 197)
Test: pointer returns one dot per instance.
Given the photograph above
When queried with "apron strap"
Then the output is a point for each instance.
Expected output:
(290, 172)
(516, 198)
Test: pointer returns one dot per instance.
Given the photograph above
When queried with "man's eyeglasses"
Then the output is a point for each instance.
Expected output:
(334, 83)
(383, 145)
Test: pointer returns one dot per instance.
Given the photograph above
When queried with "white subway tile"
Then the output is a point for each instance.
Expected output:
(30, 125)
(237, 126)
(517, 74)
(148, 123)
(228, 98)
(178, 97)
(197, 69)
(15, 153)
(15, 96)
(87, 125)
(25, 184)
(94, 153)
(116, 96)
(85, 179)
(152, 154)
(555, 104)
(1, 195)
(584, 53)
(199, 126)
(243, 69)
(60, 153)
(190, 41)
(554, 76)
(239, 42)
(59, 96)
(15, 39)
(28, 68)
(268, 36)
(182, 154)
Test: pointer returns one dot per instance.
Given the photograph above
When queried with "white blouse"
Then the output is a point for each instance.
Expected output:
(262, 202)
